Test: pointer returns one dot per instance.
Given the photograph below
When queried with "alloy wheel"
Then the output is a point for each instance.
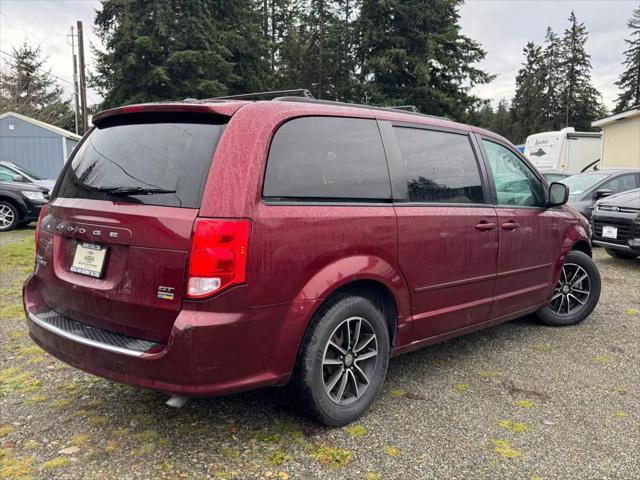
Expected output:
(349, 360)
(572, 290)
(7, 216)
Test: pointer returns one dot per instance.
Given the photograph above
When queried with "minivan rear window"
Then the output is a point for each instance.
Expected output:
(151, 159)
(328, 158)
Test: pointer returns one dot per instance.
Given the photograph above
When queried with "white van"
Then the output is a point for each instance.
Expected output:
(566, 151)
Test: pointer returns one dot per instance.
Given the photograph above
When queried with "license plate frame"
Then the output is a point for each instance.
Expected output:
(89, 259)
(610, 232)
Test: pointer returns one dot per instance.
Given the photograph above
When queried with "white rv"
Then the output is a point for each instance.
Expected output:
(566, 151)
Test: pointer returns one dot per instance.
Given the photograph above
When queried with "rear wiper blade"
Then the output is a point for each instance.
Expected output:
(133, 190)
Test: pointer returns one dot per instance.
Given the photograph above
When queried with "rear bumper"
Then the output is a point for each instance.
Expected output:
(208, 353)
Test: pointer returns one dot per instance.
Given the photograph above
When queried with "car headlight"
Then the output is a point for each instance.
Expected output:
(35, 196)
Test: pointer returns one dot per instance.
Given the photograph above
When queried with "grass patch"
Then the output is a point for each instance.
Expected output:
(36, 399)
(490, 374)
(16, 380)
(79, 440)
(11, 311)
(516, 427)
(278, 458)
(268, 437)
(461, 387)
(633, 311)
(31, 444)
(620, 414)
(397, 393)
(603, 358)
(525, 404)
(356, 430)
(373, 476)
(228, 452)
(14, 468)
(54, 463)
(6, 430)
(391, 450)
(331, 456)
(502, 448)
(61, 403)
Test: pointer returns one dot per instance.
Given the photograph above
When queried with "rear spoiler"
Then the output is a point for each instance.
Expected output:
(226, 109)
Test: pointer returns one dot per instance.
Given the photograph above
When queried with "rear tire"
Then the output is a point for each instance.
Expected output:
(343, 360)
(9, 216)
(620, 254)
(576, 294)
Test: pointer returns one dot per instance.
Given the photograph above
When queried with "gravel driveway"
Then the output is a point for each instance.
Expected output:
(518, 401)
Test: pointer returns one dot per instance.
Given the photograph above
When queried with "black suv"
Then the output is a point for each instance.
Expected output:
(20, 203)
(616, 224)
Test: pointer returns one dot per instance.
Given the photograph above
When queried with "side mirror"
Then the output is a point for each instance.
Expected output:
(19, 178)
(558, 194)
(605, 192)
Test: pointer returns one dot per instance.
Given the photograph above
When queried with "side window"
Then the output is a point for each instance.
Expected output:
(440, 166)
(514, 181)
(327, 157)
(6, 175)
(620, 184)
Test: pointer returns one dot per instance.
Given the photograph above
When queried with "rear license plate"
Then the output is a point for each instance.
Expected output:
(609, 232)
(89, 259)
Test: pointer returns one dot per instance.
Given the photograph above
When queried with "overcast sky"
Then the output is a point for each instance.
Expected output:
(503, 27)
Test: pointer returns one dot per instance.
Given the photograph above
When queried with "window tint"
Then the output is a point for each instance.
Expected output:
(163, 158)
(514, 181)
(620, 184)
(440, 166)
(6, 175)
(327, 157)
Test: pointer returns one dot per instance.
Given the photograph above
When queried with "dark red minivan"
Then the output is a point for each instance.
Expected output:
(208, 247)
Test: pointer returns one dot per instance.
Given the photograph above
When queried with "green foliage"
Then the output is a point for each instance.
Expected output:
(27, 88)
(629, 81)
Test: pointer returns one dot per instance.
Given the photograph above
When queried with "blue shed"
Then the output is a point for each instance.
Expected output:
(36, 146)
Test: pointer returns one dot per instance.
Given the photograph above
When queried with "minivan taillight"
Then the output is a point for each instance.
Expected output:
(43, 212)
(218, 257)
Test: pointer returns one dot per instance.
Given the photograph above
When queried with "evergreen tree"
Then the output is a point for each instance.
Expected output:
(413, 52)
(580, 101)
(165, 49)
(502, 123)
(530, 103)
(554, 83)
(629, 81)
(27, 88)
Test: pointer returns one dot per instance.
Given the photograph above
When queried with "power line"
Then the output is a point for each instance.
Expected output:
(42, 40)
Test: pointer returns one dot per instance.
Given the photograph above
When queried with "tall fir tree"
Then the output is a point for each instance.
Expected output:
(580, 100)
(530, 104)
(554, 82)
(26, 87)
(168, 49)
(629, 81)
(413, 52)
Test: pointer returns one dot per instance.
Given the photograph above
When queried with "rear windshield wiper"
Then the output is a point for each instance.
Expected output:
(133, 190)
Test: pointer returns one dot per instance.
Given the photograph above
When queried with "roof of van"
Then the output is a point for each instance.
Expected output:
(228, 107)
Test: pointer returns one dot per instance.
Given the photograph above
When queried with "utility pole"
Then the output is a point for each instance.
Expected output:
(83, 85)
(75, 80)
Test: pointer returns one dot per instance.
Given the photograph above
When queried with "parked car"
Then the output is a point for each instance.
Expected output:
(555, 176)
(10, 172)
(20, 204)
(616, 224)
(209, 247)
(586, 188)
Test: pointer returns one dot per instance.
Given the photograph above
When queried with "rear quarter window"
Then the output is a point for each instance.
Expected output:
(166, 157)
(327, 158)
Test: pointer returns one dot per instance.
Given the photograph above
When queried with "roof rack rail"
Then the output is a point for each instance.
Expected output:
(406, 108)
(302, 92)
(358, 105)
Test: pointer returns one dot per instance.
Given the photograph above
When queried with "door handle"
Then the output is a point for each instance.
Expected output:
(485, 226)
(510, 225)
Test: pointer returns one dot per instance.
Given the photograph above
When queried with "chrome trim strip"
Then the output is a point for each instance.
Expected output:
(83, 340)
(612, 245)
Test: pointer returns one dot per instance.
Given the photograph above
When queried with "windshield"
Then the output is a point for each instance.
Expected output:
(157, 162)
(26, 172)
(583, 181)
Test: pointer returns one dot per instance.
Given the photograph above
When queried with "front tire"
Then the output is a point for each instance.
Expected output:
(620, 255)
(9, 217)
(576, 294)
(343, 360)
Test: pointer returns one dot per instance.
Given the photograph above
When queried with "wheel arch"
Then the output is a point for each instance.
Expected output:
(582, 246)
(16, 202)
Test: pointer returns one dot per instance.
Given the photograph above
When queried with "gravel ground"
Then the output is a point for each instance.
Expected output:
(518, 401)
